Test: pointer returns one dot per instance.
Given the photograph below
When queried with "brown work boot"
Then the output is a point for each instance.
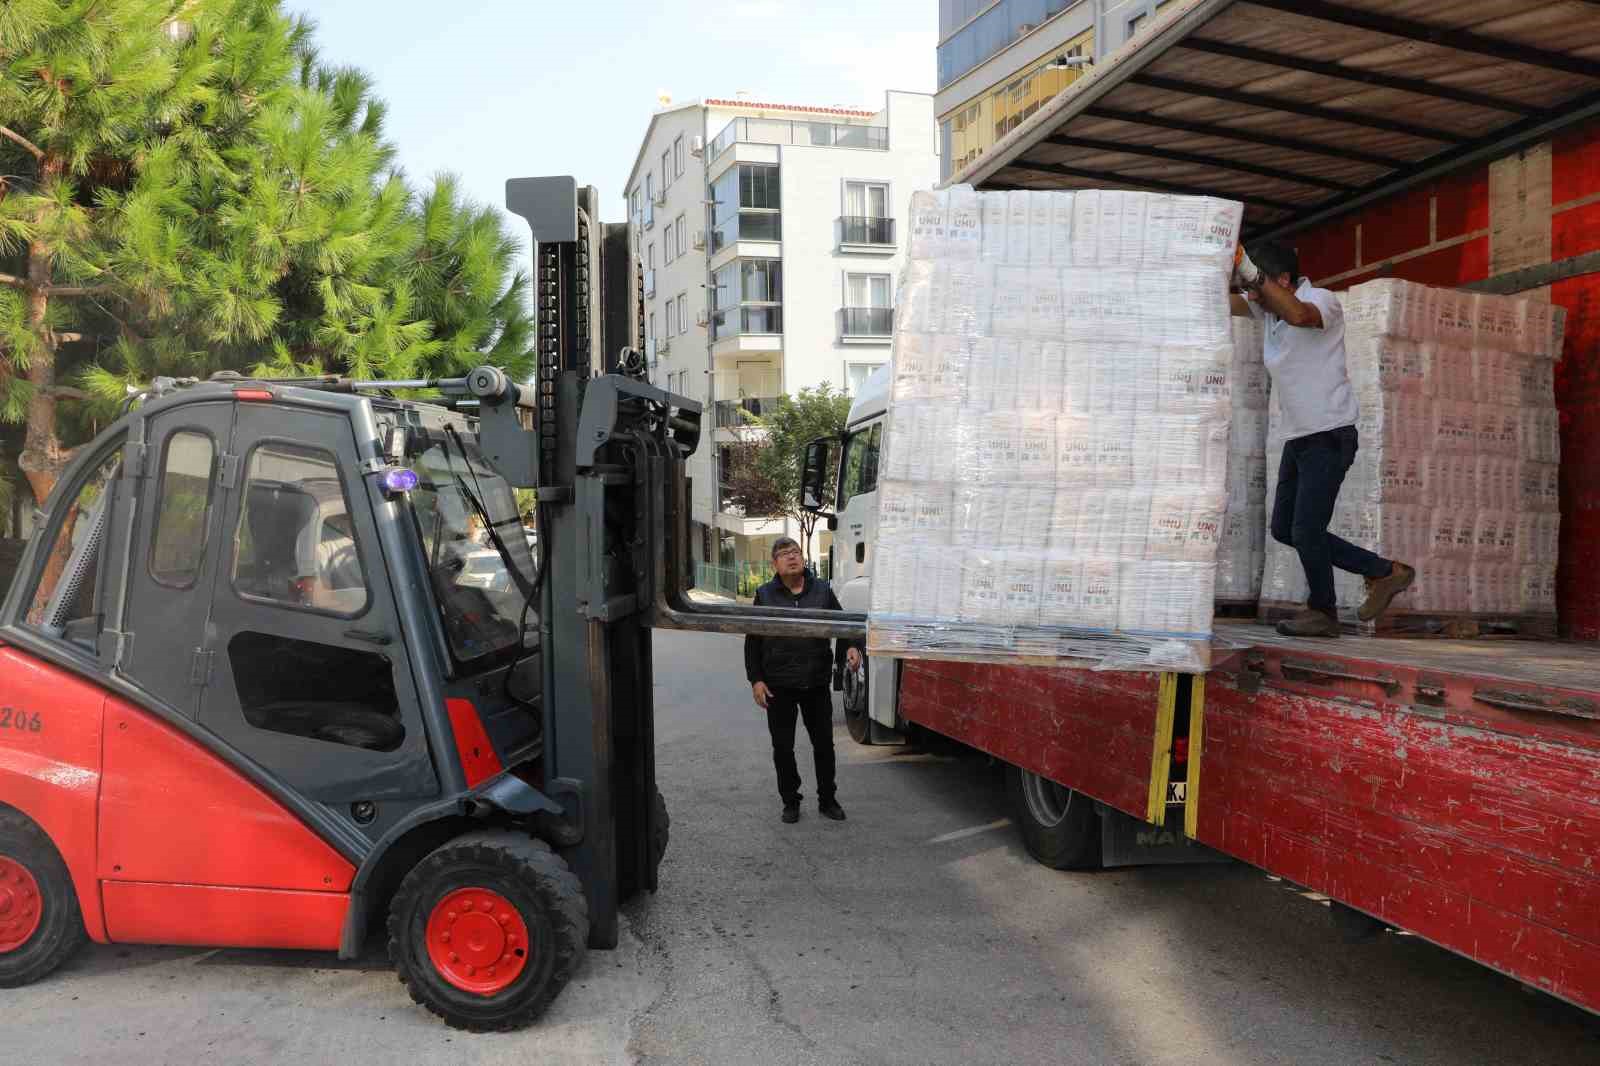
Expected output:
(1382, 590)
(1310, 623)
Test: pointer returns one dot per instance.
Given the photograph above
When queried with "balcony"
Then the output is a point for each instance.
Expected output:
(742, 320)
(742, 413)
(866, 325)
(812, 134)
(866, 233)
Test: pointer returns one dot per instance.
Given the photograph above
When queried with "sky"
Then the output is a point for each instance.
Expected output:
(493, 89)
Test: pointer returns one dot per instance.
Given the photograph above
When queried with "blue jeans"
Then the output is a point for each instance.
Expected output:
(1309, 477)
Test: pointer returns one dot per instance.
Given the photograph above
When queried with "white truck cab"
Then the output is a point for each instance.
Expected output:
(854, 521)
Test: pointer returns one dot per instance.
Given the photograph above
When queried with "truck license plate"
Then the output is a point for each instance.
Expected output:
(1177, 791)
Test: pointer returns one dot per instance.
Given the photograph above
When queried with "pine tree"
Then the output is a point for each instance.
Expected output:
(84, 85)
(200, 191)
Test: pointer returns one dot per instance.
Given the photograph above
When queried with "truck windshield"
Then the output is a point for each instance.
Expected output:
(478, 584)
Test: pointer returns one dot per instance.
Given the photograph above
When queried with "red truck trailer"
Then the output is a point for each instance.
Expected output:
(1447, 787)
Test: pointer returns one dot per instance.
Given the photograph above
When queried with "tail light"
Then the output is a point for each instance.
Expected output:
(1180, 750)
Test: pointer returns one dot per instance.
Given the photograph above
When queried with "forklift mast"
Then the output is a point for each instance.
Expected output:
(605, 452)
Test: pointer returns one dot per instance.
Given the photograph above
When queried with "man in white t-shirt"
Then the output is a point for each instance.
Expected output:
(1303, 327)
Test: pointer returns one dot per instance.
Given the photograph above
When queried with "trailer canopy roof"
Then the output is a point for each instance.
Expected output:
(1304, 109)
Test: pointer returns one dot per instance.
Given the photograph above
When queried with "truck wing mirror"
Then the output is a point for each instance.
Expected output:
(814, 476)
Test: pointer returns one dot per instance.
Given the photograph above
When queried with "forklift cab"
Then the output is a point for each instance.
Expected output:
(275, 691)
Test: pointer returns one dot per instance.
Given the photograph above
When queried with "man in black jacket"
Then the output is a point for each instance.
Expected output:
(789, 676)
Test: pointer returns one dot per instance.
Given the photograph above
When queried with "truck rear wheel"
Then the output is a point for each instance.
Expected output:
(41, 926)
(854, 693)
(1059, 826)
(488, 929)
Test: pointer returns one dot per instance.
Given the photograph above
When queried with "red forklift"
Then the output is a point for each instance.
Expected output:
(257, 691)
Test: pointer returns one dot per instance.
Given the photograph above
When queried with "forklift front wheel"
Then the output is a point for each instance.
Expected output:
(487, 930)
(40, 924)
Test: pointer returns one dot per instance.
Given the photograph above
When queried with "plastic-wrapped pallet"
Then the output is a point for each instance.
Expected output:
(1460, 446)
(1055, 469)
(1241, 553)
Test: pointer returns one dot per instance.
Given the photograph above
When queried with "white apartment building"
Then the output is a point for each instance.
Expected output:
(772, 237)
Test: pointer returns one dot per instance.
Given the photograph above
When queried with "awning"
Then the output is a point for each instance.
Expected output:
(1304, 109)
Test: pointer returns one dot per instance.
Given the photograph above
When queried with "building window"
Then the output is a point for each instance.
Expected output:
(677, 156)
(669, 243)
(868, 310)
(681, 234)
(866, 213)
(635, 207)
(976, 37)
(683, 312)
(666, 169)
(747, 297)
(746, 205)
(856, 375)
(650, 256)
(1135, 23)
(974, 127)
(650, 187)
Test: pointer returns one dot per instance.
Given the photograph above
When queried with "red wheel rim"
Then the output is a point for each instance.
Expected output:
(478, 941)
(21, 906)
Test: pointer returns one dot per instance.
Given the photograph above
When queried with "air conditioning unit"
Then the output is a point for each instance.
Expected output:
(699, 239)
(702, 318)
(697, 146)
(663, 347)
(661, 198)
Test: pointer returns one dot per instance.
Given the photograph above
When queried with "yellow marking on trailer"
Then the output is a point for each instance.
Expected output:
(1161, 754)
(1197, 719)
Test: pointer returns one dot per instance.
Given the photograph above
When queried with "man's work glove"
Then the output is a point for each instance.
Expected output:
(1246, 274)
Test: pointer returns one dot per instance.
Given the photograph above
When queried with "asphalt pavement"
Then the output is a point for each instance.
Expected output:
(918, 931)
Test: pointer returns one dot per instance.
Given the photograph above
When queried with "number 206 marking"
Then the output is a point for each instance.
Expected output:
(21, 721)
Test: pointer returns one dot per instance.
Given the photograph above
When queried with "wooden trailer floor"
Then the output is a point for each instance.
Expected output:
(1568, 665)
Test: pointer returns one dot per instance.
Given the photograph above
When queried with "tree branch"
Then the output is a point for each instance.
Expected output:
(67, 392)
(13, 281)
(77, 290)
(13, 135)
(68, 338)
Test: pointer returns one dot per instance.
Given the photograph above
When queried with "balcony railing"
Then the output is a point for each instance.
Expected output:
(866, 229)
(787, 131)
(746, 320)
(742, 413)
(866, 321)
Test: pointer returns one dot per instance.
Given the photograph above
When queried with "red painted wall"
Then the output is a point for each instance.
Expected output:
(1439, 235)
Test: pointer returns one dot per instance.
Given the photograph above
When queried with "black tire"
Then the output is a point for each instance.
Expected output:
(548, 899)
(660, 829)
(1059, 826)
(59, 932)
(854, 697)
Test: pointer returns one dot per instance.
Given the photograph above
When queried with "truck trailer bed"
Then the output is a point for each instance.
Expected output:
(1447, 787)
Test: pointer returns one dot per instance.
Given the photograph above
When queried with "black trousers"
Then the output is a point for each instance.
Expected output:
(1309, 477)
(813, 706)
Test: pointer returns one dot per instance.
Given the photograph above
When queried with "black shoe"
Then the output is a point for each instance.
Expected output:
(1310, 623)
(831, 809)
(791, 813)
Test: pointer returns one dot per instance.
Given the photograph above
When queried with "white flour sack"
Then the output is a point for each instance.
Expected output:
(1075, 451)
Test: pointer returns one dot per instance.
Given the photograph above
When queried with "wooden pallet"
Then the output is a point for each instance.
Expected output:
(1402, 623)
(1236, 609)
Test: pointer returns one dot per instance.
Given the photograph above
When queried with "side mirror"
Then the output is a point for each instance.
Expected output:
(814, 476)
